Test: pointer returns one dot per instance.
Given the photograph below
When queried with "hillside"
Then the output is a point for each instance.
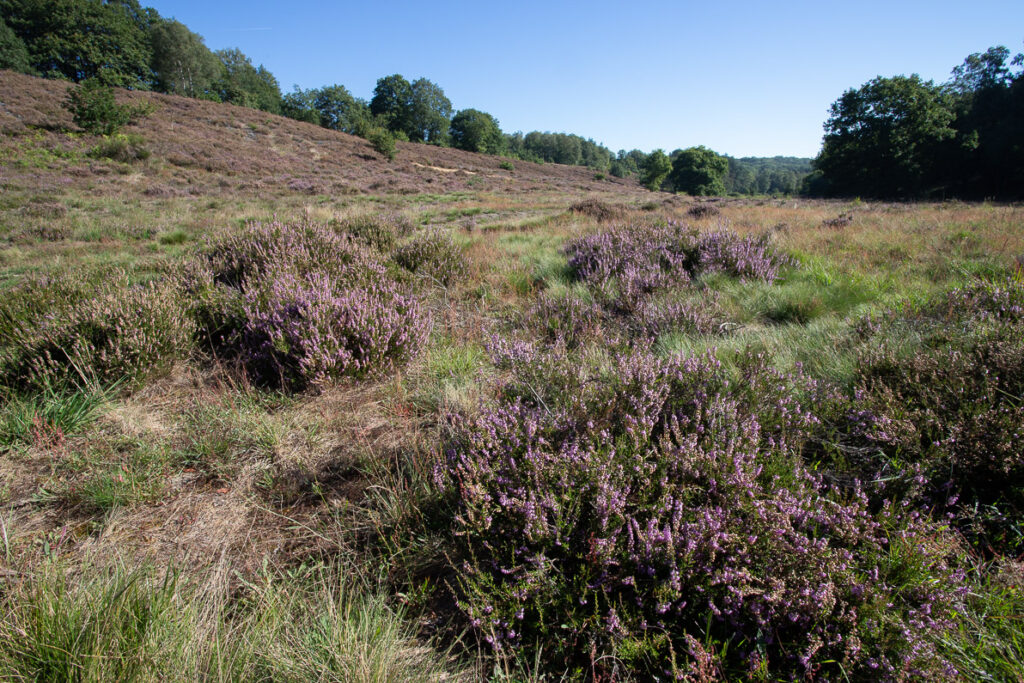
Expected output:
(208, 148)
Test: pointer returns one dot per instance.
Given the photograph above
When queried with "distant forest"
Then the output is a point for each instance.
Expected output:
(898, 137)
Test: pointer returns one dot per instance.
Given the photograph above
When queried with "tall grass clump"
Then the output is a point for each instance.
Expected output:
(654, 514)
(433, 255)
(121, 624)
(109, 626)
(300, 304)
(381, 231)
(48, 414)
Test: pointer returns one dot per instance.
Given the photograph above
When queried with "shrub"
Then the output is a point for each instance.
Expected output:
(383, 142)
(120, 147)
(658, 516)
(597, 209)
(304, 330)
(940, 422)
(94, 109)
(703, 210)
(626, 264)
(379, 230)
(434, 255)
(126, 332)
(300, 304)
(507, 166)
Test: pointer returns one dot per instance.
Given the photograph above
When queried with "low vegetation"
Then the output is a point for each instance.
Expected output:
(482, 425)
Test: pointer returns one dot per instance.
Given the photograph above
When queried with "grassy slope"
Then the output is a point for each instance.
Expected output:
(275, 506)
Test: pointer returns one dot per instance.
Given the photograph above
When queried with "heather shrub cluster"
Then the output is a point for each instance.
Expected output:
(628, 262)
(654, 513)
(123, 331)
(300, 304)
(432, 254)
(941, 423)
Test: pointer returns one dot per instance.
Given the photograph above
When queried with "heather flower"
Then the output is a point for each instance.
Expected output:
(661, 495)
(300, 304)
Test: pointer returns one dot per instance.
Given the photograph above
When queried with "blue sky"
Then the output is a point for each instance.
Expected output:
(743, 78)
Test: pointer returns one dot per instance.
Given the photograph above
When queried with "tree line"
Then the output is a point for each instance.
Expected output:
(121, 43)
(906, 138)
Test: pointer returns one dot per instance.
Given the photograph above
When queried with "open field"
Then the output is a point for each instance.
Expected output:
(277, 409)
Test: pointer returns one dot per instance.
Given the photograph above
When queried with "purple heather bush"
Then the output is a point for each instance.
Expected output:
(303, 330)
(639, 259)
(642, 274)
(433, 255)
(300, 304)
(567, 320)
(655, 512)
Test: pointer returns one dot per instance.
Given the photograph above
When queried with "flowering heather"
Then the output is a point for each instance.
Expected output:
(629, 262)
(985, 299)
(942, 425)
(303, 303)
(566, 320)
(434, 255)
(307, 248)
(667, 506)
(702, 317)
(303, 330)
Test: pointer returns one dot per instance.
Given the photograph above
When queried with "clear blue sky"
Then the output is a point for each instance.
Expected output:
(743, 78)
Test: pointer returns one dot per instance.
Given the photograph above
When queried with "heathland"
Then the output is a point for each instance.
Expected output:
(278, 407)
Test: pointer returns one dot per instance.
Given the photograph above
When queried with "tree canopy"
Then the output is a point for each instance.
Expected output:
(656, 168)
(476, 131)
(699, 171)
(903, 137)
(81, 39)
(182, 63)
(243, 84)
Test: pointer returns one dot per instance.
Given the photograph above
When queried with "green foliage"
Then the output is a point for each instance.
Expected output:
(884, 138)
(419, 110)
(476, 131)
(766, 175)
(392, 102)
(245, 85)
(699, 171)
(182, 63)
(431, 113)
(13, 52)
(301, 106)
(78, 40)
(338, 110)
(121, 147)
(655, 169)
(506, 166)
(559, 148)
(383, 142)
(94, 108)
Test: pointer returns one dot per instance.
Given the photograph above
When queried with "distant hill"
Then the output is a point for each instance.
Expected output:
(200, 147)
(766, 175)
